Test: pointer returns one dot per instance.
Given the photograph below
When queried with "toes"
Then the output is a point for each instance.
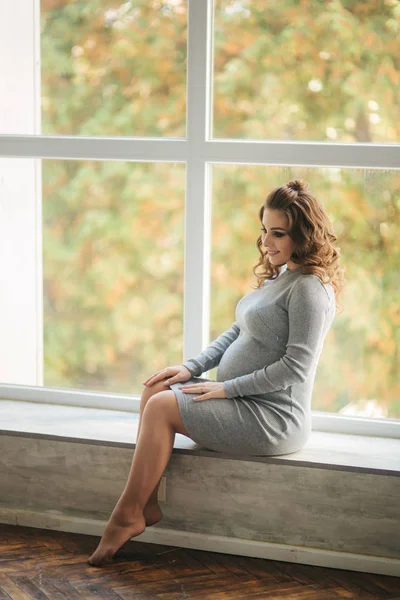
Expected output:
(114, 537)
(98, 557)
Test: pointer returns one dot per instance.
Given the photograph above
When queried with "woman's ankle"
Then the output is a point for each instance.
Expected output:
(152, 501)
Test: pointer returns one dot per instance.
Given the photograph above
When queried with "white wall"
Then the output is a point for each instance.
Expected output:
(20, 194)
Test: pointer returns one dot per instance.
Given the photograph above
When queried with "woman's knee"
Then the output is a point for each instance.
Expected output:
(149, 391)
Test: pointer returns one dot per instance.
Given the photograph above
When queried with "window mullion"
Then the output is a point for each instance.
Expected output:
(312, 154)
(198, 221)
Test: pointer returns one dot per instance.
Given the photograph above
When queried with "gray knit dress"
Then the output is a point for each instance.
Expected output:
(267, 361)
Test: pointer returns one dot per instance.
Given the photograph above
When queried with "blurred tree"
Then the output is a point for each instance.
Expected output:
(309, 70)
(114, 231)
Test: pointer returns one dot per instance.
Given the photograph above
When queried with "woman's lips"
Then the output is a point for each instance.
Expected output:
(273, 253)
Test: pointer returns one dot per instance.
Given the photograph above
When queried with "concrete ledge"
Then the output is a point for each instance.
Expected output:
(337, 451)
(334, 503)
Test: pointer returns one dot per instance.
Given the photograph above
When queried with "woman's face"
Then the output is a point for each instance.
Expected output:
(276, 240)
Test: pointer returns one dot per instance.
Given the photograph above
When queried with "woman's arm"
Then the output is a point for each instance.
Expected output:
(309, 303)
(211, 356)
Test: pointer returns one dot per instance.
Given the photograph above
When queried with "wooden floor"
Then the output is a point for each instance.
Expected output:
(40, 564)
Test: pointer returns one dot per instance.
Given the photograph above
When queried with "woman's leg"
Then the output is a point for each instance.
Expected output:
(161, 420)
(152, 511)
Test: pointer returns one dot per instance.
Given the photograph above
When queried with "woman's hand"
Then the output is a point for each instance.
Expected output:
(208, 390)
(172, 374)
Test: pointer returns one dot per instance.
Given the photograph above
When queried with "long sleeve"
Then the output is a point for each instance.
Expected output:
(211, 356)
(308, 304)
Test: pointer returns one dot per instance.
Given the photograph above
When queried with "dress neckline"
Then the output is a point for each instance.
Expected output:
(289, 271)
(284, 274)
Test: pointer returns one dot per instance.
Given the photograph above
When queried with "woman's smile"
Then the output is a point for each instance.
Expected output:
(275, 230)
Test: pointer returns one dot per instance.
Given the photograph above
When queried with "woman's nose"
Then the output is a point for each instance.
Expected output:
(266, 239)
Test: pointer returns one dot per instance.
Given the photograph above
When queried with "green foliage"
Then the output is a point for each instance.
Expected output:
(307, 70)
(114, 231)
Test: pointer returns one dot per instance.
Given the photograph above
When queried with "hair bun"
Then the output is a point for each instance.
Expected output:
(298, 185)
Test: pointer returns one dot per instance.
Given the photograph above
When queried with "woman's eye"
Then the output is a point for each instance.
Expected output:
(277, 234)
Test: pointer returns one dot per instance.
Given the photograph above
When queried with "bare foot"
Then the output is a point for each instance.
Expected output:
(118, 531)
(152, 514)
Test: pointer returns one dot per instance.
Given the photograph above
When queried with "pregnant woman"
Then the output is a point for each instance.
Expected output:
(260, 404)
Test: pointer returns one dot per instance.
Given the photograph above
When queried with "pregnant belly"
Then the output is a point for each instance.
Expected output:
(244, 356)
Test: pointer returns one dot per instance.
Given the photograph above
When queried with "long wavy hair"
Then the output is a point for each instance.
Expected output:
(311, 230)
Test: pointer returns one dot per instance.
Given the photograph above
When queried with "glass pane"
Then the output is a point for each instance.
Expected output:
(113, 259)
(113, 68)
(358, 372)
(317, 71)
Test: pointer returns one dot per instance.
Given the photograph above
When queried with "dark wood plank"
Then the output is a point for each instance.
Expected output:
(8, 586)
(390, 584)
(38, 564)
(30, 588)
(105, 593)
(4, 595)
(349, 581)
(48, 588)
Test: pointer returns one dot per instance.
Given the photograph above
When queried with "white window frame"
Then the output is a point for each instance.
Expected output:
(198, 151)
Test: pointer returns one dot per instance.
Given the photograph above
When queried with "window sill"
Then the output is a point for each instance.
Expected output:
(324, 450)
(321, 421)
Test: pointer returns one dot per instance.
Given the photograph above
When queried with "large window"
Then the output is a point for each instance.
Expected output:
(112, 272)
(113, 68)
(124, 254)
